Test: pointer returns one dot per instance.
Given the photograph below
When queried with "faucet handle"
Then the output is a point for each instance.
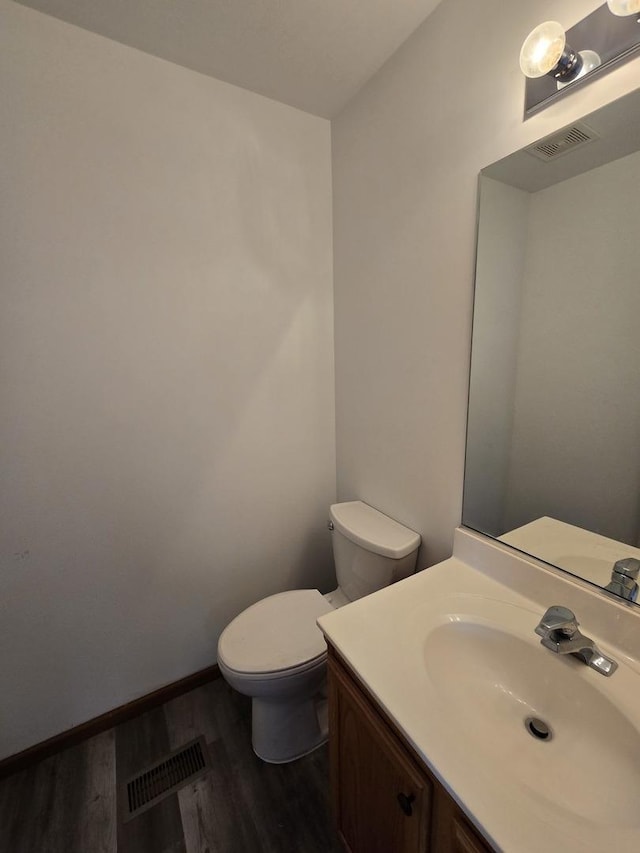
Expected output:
(629, 567)
(559, 619)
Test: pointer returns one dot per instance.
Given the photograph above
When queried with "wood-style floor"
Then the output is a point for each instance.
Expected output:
(69, 802)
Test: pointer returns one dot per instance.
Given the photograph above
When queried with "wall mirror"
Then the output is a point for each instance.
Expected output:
(553, 439)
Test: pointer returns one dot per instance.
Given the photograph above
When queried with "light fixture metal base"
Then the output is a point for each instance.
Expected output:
(568, 67)
(615, 39)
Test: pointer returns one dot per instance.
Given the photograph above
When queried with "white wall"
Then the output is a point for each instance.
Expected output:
(502, 242)
(575, 453)
(406, 154)
(167, 423)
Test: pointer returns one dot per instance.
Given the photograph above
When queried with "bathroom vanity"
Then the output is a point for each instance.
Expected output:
(433, 683)
(384, 796)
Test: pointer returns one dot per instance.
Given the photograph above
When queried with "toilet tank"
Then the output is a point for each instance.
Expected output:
(370, 550)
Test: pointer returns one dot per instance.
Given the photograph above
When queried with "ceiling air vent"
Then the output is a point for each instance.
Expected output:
(562, 143)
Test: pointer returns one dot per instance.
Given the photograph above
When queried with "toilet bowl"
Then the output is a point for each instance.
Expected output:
(274, 652)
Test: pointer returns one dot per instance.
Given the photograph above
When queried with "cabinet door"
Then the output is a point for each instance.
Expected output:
(382, 800)
(464, 839)
(452, 833)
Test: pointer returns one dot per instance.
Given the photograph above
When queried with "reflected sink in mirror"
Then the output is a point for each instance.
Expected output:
(586, 567)
(491, 675)
(587, 555)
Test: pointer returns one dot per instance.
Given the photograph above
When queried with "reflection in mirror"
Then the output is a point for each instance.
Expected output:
(553, 441)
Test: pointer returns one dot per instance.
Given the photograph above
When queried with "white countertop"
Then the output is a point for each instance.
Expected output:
(382, 638)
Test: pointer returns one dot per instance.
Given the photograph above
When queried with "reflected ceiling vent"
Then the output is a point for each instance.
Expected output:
(562, 143)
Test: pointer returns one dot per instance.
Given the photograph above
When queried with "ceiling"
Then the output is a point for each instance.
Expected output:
(311, 54)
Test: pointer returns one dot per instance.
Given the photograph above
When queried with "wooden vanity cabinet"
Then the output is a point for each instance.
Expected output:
(384, 798)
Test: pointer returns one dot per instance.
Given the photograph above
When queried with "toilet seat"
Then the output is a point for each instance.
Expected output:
(275, 675)
(277, 636)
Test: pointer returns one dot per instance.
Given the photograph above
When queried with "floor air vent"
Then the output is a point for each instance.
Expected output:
(562, 143)
(163, 778)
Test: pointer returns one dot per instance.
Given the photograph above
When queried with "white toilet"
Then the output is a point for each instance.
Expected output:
(274, 651)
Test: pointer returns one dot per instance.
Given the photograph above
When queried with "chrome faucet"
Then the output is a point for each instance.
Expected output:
(624, 579)
(559, 631)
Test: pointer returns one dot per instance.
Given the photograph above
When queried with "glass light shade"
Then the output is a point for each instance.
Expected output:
(623, 7)
(542, 49)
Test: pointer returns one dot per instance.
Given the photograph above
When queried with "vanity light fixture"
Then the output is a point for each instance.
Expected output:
(554, 61)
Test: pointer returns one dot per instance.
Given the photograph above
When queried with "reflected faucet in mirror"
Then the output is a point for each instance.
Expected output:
(624, 579)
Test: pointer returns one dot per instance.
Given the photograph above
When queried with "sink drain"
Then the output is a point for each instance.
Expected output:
(538, 728)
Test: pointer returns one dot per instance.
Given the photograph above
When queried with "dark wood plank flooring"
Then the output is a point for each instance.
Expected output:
(70, 804)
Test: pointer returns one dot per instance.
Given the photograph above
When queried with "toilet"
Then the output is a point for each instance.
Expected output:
(274, 652)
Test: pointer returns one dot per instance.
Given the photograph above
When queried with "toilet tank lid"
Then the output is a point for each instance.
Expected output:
(373, 530)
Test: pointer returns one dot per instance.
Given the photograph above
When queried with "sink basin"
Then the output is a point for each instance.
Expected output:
(490, 675)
